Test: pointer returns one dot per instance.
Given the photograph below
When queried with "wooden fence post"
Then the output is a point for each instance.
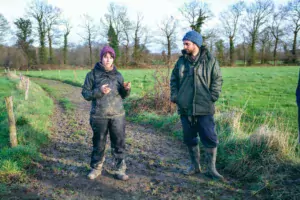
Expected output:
(75, 75)
(27, 88)
(11, 122)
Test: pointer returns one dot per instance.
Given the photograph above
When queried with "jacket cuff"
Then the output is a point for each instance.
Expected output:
(214, 97)
(174, 98)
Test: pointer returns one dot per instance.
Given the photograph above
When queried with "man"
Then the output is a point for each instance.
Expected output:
(196, 83)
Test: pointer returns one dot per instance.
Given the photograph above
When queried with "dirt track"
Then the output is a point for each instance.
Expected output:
(154, 162)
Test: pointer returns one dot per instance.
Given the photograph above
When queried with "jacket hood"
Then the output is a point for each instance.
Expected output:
(203, 53)
(99, 66)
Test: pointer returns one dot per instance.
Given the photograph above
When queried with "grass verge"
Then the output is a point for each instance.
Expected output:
(32, 121)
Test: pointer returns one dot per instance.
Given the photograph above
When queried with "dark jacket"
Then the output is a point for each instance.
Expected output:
(105, 105)
(196, 84)
(298, 91)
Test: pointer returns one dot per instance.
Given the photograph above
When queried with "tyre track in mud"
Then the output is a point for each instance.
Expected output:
(154, 161)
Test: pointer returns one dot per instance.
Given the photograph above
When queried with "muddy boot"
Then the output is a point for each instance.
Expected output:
(121, 169)
(211, 156)
(195, 159)
(95, 172)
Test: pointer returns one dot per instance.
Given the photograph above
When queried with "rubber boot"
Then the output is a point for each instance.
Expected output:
(195, 159)
(211, 156)
(95, 172)
(121, 170)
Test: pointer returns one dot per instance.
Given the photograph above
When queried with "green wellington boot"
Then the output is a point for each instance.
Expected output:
(195, 159)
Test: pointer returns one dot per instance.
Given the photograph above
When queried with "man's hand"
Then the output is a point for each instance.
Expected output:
(127, 85)
(105, 89)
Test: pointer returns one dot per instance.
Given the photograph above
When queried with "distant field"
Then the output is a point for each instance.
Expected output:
(140, 79)
(264, 94)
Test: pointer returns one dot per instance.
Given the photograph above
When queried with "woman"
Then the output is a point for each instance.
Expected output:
(105, 87)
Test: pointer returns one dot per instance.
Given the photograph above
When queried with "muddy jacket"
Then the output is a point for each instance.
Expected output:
(105, 105)
(196, 84)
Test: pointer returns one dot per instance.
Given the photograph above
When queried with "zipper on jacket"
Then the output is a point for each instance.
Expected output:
(194, 107)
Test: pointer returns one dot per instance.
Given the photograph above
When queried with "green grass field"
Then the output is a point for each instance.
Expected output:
(256, 121)
(263, 94)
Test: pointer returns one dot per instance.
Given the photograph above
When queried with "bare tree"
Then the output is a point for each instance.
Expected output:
(244, 46)
(293, 11)
(37, 10)
(24, 40)
(264, 39)
(137, 37)
(115, 14)
(67, 30)
(168, 29)
(89, 35)
(210, 36)
(4, 27)
(230, 20)
(257, 16)
(276, 29)
(141, 38)
(196, 13)
(52, 19)
(127, 28)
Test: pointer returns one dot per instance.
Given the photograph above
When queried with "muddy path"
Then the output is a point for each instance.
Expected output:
(154, 161)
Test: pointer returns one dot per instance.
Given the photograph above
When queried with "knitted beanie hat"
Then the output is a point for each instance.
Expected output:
(194, 37)
(107, 49)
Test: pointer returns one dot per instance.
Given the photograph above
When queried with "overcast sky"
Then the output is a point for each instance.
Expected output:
(153, 10)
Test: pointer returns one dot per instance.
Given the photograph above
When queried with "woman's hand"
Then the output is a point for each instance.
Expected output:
(127, 85)
(105, 89)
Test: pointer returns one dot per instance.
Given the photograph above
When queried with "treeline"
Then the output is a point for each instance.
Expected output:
(260, 32)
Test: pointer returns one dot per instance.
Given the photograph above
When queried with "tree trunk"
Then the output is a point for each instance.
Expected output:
(294, 59)
(244, 48)
(169, 51)
(136, 47)
(232, 61)
(50, 48)
(42, 50)
(28, 59)
(11, 121)
(127, 54)
(65, 48)
(90, 47)
(275, 52)
(262, 55)
(252, 59)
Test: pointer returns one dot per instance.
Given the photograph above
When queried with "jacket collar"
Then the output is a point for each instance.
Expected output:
(99, 66)
(199, 57)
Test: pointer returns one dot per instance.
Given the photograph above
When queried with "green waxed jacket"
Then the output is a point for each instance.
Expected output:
(196, 84)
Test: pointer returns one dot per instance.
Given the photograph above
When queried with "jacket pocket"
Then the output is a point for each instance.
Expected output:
(185, 94)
